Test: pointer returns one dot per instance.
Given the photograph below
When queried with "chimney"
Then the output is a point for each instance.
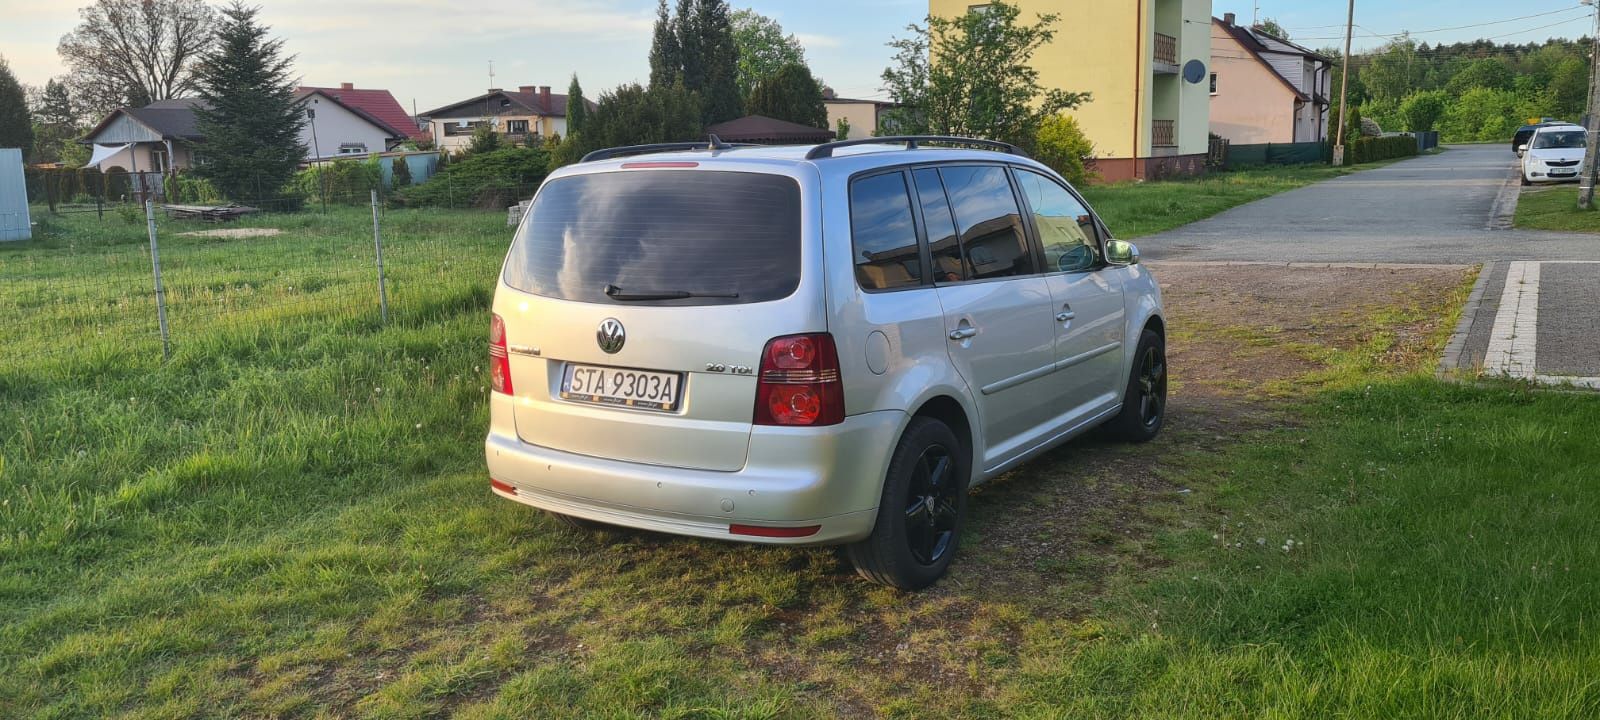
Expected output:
(494, 90)
(544, 95)
(527, 89)
(1228, 18)
(347, 86)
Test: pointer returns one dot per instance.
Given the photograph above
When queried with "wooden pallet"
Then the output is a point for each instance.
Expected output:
(208, 213)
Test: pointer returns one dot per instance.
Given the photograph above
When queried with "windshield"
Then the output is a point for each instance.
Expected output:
(668, 237)
(1564, 139)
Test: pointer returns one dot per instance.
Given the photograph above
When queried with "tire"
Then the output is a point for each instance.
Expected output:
(923, 508)
(1144, 404)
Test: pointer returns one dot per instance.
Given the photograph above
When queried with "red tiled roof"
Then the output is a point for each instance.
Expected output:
(377, 103)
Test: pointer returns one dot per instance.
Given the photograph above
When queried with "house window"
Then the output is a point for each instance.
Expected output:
(353, 149)
(1213, 83)
(516, 127)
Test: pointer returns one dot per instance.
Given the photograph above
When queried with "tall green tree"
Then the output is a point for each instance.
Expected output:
(691, 47)
(16, 123)
(577, 106)
(973, 76)
(666, 58)
(249, 118)
(763, 48)
(790, 94)
(719, 58)
(1393, 71)
(634, 115)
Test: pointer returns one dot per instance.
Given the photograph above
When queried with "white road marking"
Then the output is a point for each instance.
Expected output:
(1513, 341)
(1516, 324)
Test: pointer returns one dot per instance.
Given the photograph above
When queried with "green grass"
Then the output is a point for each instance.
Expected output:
(291, 519)
(1554, 208)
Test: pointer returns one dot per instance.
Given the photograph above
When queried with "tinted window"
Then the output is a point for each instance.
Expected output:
(941, 227)
(1559, 139)
(883, 233)
(988, 221)
(1066, 229)
(732, 236)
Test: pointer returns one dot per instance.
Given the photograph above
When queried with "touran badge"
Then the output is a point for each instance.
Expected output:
(611, 336)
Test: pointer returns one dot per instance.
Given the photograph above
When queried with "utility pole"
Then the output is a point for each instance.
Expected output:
(1344, 88)
(1592, 122)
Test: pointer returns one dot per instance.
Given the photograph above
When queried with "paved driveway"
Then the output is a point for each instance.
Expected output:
(1431, 209)
(1544, 324)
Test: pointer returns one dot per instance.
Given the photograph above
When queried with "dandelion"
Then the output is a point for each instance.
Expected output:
(1261, 541)
(419, 426)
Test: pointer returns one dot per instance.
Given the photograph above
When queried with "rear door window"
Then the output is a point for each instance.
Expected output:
(661, 237)
(941, 227)
(883, 233)
(988, 221)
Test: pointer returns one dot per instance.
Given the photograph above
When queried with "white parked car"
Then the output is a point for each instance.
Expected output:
(1554, 154)
(810, 345)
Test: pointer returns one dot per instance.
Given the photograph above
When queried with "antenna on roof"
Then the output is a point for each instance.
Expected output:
(491, 73)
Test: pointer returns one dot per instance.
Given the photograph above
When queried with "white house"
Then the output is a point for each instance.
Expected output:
(529, 111)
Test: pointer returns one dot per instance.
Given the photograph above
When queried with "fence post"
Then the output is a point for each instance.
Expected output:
(377, 247)
(161, 291)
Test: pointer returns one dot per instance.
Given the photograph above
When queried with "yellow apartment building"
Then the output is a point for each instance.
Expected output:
(1146, 64)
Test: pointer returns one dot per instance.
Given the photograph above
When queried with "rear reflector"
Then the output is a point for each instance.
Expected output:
(502, 487)
(658, 164)
(774, 532)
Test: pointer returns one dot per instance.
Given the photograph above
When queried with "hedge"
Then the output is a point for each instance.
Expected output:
(1370, 149)
(494, 179)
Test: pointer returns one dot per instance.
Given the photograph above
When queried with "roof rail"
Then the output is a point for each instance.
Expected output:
(911, 142)
(712, 143)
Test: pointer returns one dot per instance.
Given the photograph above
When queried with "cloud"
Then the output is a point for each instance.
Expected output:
(813, 41)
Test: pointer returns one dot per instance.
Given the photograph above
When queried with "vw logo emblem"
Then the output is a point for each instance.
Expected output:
(611, 336)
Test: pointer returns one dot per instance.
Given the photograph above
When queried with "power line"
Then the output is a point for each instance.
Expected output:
(1465, 27)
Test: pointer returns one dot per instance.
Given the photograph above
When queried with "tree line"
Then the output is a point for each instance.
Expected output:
(1468, 91)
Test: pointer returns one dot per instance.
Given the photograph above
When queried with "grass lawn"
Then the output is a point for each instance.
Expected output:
(291, 519)
(1554, 208)
(1134, 210)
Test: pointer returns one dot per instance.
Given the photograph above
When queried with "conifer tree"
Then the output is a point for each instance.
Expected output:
(249, 118)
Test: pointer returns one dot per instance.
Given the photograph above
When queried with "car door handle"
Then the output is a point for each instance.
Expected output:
(963, 333)
(1065, 315)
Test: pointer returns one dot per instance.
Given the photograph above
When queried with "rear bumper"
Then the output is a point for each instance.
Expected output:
(830, 477)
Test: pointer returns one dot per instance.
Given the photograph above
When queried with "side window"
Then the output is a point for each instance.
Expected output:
(988, 221)
(883, 234)
(1066, 229)
(941, 225)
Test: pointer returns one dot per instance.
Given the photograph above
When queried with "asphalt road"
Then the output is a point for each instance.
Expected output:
(1429, 209)
(1450, 208)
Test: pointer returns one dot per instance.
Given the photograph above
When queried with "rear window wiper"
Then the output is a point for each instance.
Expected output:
(618, 294)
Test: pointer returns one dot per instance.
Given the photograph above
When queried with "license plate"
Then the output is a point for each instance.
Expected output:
(1563, 173)
(640, 389)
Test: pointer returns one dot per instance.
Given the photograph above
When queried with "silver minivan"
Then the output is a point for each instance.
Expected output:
(826, 344)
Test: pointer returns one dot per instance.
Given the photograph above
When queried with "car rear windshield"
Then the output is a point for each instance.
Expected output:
(1563, 139)
(661, 237)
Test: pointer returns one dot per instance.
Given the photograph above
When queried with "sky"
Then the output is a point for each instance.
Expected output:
(432, 52)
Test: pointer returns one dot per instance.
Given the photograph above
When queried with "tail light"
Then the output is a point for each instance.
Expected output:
(799, 382)
(499, 358)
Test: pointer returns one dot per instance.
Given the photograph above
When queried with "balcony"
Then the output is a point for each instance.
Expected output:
(1164, 133)
(1166, 54)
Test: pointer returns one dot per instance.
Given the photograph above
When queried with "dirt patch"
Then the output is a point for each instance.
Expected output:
(1044, 540)
(232, 233)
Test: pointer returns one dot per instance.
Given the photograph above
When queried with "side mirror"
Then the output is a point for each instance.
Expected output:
(1522, 148)
(1121, 252)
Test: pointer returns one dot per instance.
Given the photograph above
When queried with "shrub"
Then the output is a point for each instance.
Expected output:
(1481, 114)
(1423, 109)
(481, 180)
(401, 173)
(484, 140)
(341, 181)
(1370, 128)
(1062, 145)
(1369, 149)
(187, 188)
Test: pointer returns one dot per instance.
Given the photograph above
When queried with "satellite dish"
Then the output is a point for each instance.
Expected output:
(1194, 71)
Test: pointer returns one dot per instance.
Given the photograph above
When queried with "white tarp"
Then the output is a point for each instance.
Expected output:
(103, 152)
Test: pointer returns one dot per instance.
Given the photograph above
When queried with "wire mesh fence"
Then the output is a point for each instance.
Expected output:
(85, 287)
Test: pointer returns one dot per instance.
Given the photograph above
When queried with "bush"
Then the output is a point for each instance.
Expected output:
(1481, 114)
(1370, 149)
(481, 180)
(401, 176)
(1423, 109)
(341, 181)
(1062, 145)
(186, 188)
(1370, 128)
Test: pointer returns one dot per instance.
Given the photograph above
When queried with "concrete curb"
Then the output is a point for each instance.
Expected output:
(1455, 351)
(1504, 209)
(1315, 265)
